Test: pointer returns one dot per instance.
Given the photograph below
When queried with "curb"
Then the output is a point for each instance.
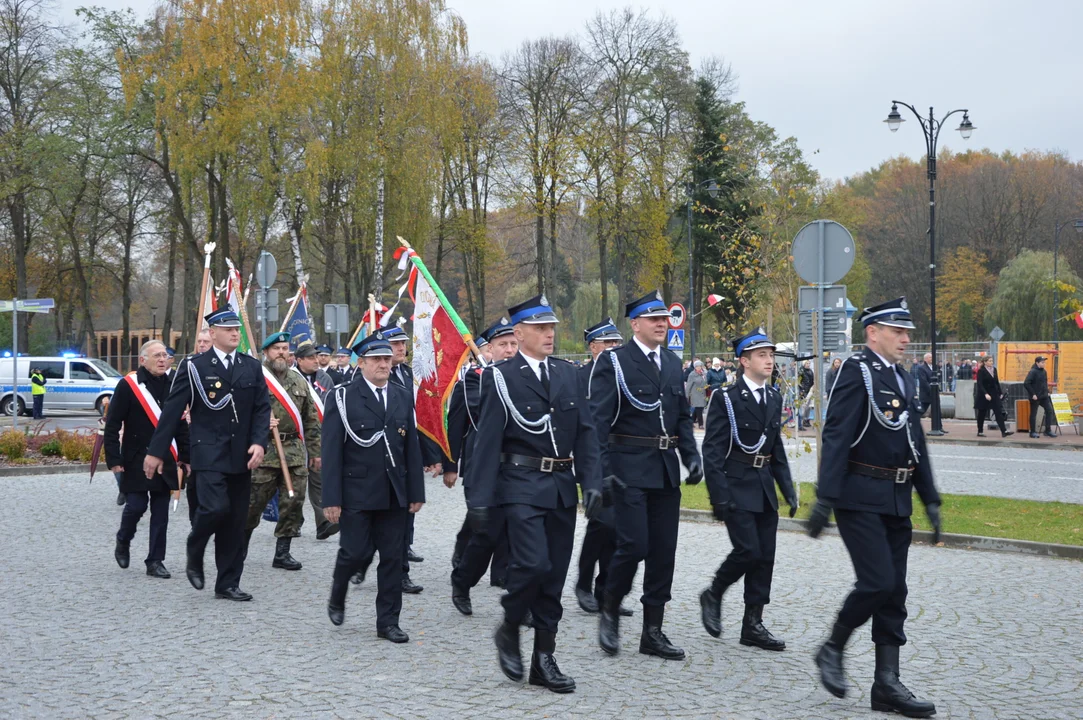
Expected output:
(1032, 445)
(27, 470)
(951, 540)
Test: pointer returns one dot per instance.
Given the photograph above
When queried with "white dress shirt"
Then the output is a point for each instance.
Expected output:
(374, 388)
(647, 351)
(535, 365)
(758, 391)
(222, 355)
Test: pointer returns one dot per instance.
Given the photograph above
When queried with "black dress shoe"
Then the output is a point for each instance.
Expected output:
(326, 530)
(393, 633)
(235, 594)
(506, 639)
(156, 568)
(981, 434)
(829, 660)
(460, 598)
(888, 692)
(358, 577)
(122, 553)
(545, 673)
(409, 586)
(413, 556)
(194, 571)
(337, 613)
(1006, 433)
(753, 632)
(587, 601)
(710, 612)
(121, 499)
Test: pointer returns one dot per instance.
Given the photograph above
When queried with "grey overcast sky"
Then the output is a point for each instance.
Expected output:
(825, 71)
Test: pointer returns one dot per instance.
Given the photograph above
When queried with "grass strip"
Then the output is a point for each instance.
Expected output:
(1048, 522)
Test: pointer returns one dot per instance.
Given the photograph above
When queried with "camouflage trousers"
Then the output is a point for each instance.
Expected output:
(265, 480)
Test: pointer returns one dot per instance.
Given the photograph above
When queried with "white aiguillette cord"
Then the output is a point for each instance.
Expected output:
(340, 401)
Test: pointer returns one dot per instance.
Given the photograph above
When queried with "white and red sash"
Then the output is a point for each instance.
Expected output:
(150, 407)
(312, 393)
(284, 398)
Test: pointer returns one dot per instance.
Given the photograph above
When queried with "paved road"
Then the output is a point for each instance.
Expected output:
(992, 635)
(59, 419)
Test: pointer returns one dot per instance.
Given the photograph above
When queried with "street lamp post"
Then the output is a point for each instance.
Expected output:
(691, 188)
(153, 322)
(1077, 223)
(931, 127)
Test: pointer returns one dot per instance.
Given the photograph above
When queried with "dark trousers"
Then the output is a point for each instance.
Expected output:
(462, 539)
(540, 550)
(315, 496)
(134, 506)
(878, 547)
(752, 535)
(646, 531)
(39, 400)
(1046, 404)
(363, 533)
(223, 510)
(697, 416)
(599, 544)
(193, 497)
(481, 549)
(998, 413)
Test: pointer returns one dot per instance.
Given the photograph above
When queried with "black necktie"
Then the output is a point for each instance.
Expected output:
(652, 356)
(759, 395)
(544, 377)
(380, 398)
(229, 364)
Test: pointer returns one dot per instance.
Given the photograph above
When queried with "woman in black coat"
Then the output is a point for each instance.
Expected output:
(988, 396)
(125, 457)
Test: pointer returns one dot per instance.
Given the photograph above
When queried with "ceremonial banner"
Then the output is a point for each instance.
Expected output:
(233, 301)
(298, 323)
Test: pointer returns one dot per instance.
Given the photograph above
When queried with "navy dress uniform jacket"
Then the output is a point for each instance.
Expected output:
(642, 467)
(849, 420)
(219, 439)
(464, 409)
(364, 479)
(496, 483)
(733, 483)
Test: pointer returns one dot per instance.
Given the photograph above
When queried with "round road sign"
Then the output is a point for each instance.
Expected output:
(676, 316)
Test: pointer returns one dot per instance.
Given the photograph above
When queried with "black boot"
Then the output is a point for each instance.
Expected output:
(543, 666)
(753, 632)
(888, 692)
(710, 612)
(507, 650)
(829, 660)
(336, 605)
(609, 625)
(653, 641)
(122, 553)
(283, 559)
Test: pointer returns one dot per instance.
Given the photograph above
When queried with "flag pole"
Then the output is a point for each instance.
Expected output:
(207, 250)
(459, 324)
(372, 313)
(293, 306)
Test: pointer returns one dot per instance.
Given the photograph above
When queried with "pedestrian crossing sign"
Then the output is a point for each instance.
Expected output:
(676, 340)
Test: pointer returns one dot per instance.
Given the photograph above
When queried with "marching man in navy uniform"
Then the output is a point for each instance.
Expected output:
(490, 544)
(642, 416)
(535, 441)
(372, 478)
(744, 457)
(600, 540)
(874, 458)
(230, 411)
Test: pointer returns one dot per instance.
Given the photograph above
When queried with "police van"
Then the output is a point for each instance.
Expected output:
(71, 383)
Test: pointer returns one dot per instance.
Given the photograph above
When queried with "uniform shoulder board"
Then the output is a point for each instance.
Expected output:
(499, 362)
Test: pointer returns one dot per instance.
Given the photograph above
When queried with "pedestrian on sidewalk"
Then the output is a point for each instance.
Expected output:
(696, 388)
(806, 379)
(1037, 387)
(988, 395)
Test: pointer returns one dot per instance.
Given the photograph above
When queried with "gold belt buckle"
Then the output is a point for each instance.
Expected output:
(547, 464)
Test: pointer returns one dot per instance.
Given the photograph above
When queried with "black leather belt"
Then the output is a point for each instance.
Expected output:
(658, 442)
(756, 461)
(544, 464)
(896, 475)
(288, 436)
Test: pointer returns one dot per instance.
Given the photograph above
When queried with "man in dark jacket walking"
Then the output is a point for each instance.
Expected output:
(1037, 387)
(923, 375)
(137, 405)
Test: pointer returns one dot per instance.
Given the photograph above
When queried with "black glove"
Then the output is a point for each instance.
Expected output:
(592, 503)
(723, 509)
(695, 472)
(478, 519)
(933, 511)
(821, 513)
(792, 502)
(611, 486)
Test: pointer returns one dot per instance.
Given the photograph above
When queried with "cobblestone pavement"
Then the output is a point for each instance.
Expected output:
(992, 635)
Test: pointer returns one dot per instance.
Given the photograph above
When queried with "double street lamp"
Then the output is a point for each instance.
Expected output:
(712, 189)
(1078, 225)
(931, 127)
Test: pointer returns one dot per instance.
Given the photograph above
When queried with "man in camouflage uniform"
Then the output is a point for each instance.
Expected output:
(268, 478)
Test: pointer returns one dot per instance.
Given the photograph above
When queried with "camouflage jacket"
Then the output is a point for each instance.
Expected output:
(294, 447)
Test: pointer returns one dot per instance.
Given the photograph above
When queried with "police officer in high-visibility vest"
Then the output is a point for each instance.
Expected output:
(874, 458)
(37, 390)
